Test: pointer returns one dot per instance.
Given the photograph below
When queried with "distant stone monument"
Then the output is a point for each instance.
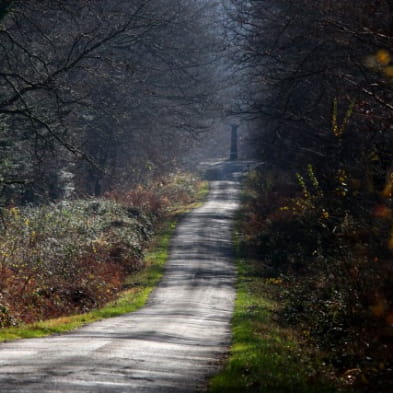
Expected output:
(233, 154)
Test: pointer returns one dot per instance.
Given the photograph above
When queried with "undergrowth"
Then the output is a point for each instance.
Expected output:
(75, 256)
(136, 289)
(266, 357)
(327, 248)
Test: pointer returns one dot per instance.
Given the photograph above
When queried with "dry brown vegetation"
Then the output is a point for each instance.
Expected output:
(73, 256)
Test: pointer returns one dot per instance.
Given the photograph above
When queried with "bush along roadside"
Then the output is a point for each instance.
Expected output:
(266, 357)
(322, 252)
(76, 256)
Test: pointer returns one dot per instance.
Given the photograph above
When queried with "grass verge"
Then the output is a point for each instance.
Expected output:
(265, 357)
(139, 285)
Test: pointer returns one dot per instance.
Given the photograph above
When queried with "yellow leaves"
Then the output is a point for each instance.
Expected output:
(302, 183)
(338, 129)
(381, 61)
(373, 156)
(335, 128)
(388, 71)
(387, 192)
(274, 281)
(383, 57)
(342, 178)
(314, 181)
(15, 212)
(312, 194)
(311, 179)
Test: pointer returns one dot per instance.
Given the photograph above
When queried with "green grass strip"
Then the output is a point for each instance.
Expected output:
(264, 357)
(141, 285)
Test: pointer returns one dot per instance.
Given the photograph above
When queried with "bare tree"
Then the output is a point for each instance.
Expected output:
(303, 62)
(111, 84)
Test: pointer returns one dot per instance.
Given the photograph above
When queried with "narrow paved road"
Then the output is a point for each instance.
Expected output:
(171, 345)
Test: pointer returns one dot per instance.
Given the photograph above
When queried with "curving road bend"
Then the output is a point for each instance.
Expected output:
(171, 345)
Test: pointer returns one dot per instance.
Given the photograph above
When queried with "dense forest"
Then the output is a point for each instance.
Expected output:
(318, 89)
(94, 93)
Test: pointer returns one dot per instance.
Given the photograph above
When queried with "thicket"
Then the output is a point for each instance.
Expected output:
(73, 256)
(333, 268)
(320, 207)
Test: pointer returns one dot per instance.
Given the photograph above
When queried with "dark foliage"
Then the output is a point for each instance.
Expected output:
(319, 81)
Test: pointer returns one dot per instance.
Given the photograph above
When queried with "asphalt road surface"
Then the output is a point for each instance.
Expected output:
(173, 344)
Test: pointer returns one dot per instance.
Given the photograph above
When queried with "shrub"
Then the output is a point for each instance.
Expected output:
(73, 256)
(332, 249)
